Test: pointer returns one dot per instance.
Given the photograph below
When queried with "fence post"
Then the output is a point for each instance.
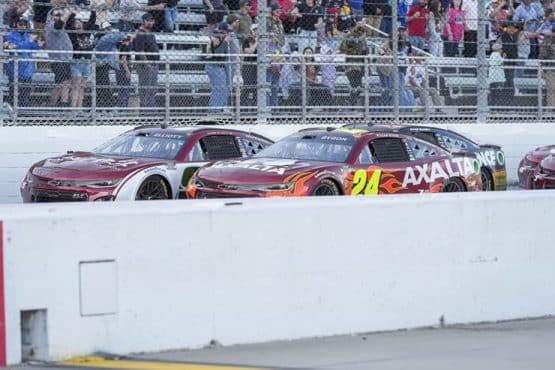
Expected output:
(366, 87)
(395, 52)
(482, 72)
(93, 88)
(262, 50)
(167, 92)
(427, 90)
(303, 89)
(236, 80)
(540, 92)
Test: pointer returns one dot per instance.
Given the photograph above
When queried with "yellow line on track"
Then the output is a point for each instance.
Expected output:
(99, 362)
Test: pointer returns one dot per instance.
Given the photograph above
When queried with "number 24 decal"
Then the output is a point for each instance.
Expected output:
(366, 182)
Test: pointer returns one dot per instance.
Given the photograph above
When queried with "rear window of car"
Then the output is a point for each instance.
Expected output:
(389, 150)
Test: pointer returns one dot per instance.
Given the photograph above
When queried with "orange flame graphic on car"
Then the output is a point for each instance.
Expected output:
(390, 184)
(299, 189)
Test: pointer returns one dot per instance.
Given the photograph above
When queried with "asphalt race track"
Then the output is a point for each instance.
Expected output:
(524, 344)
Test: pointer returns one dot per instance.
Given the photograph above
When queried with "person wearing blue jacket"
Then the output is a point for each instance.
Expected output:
(20, 39)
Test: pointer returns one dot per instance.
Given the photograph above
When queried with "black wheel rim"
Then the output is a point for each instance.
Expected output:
(324, 189)
(452, 187)
(152, 190)
(486, 181)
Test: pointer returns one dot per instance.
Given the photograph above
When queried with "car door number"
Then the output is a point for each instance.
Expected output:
(366, 182)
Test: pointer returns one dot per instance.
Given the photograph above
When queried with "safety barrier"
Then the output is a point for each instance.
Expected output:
(132, 277)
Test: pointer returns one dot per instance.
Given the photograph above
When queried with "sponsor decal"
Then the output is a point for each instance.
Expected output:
(334, 138)
(166, 135)
(430, 172)
(500, 158)
(487, 158)
(366, 182)
(278, 166)
(100, 161)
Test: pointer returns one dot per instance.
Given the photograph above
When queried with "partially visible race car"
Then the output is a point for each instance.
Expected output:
(491, 157)
(141, 164)
(537, 169)
(340, 162)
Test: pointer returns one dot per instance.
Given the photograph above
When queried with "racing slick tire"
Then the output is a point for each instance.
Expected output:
(487, 179)
(324, 188)
(153, 188)
(453, 185)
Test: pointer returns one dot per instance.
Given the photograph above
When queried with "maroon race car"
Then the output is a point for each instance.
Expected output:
(537, 169)
(345, 161)
(141, 164)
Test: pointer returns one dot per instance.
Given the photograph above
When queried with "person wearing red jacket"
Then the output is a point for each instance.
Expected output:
(416, 21)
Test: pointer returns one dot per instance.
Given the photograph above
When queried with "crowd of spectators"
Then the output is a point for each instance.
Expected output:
(323, 29)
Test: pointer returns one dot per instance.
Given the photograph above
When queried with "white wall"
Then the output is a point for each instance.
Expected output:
(192, 271)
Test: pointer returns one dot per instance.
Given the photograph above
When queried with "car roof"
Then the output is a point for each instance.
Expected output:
(188, 130)
(351, 132)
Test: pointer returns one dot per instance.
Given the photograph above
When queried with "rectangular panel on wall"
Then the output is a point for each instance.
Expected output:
(98, 287)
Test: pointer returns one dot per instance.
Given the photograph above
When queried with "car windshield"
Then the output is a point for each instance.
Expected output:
(327, 148)
(145, 145)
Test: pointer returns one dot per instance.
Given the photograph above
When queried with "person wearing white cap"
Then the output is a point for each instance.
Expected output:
(496, 75)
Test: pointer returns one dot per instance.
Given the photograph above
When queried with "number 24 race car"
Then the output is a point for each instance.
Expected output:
(340, 162)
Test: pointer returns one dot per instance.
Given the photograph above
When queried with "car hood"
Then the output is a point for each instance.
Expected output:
(90, 166)
(540, 153)
(258, 170)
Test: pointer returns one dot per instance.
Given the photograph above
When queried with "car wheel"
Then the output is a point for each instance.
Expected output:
(453, 185)
(154, 187)
(325, 187)
(487, 179)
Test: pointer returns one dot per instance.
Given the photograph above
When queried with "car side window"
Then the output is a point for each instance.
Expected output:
(389, 149)
(218, 147)
(421, 149)
(196, 154)
(365, 157)
(251, 145)
(453, 142)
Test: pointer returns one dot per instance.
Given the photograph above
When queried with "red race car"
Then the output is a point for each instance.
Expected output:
(537, 169)
(141, 164)
(346, 161)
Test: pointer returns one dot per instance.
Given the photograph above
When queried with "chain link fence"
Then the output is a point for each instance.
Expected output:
(183, 83)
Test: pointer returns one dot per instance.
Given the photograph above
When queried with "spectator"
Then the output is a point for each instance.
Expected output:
(547, 53)
(102, 8)
(433, 29)
(328, 69)
(58, 41)
(357, 7)
(157, 14)
(231, 27)
(523, 49)
(548, 24)
(106, 60)
(496, 75)
(273, 73)
(21, 39)
(454, 29)
(416, 20)
(214, 11)
(170, 15)
(310, 18)
(216, 56)
(416, 81)
(402, 12)
(470, 8)
(287, 16)
(499, 12)
(131, 12)
(509, 40)
(275, 26)
(354, 45)
(345, 21)
(123, 74)
(249, 73)
(148, 54)
(290, 81)
(311, 68)
(16, 11)
(374, 19)
(245, 21)
(530, 14)
(40, 11)
(385, 71)
(82, 46)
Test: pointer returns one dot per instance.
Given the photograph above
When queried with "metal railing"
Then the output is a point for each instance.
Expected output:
(330, 87)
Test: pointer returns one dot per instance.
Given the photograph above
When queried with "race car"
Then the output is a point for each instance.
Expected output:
(141, 164)
(340, 162)
(491, 157)
(537, 169)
